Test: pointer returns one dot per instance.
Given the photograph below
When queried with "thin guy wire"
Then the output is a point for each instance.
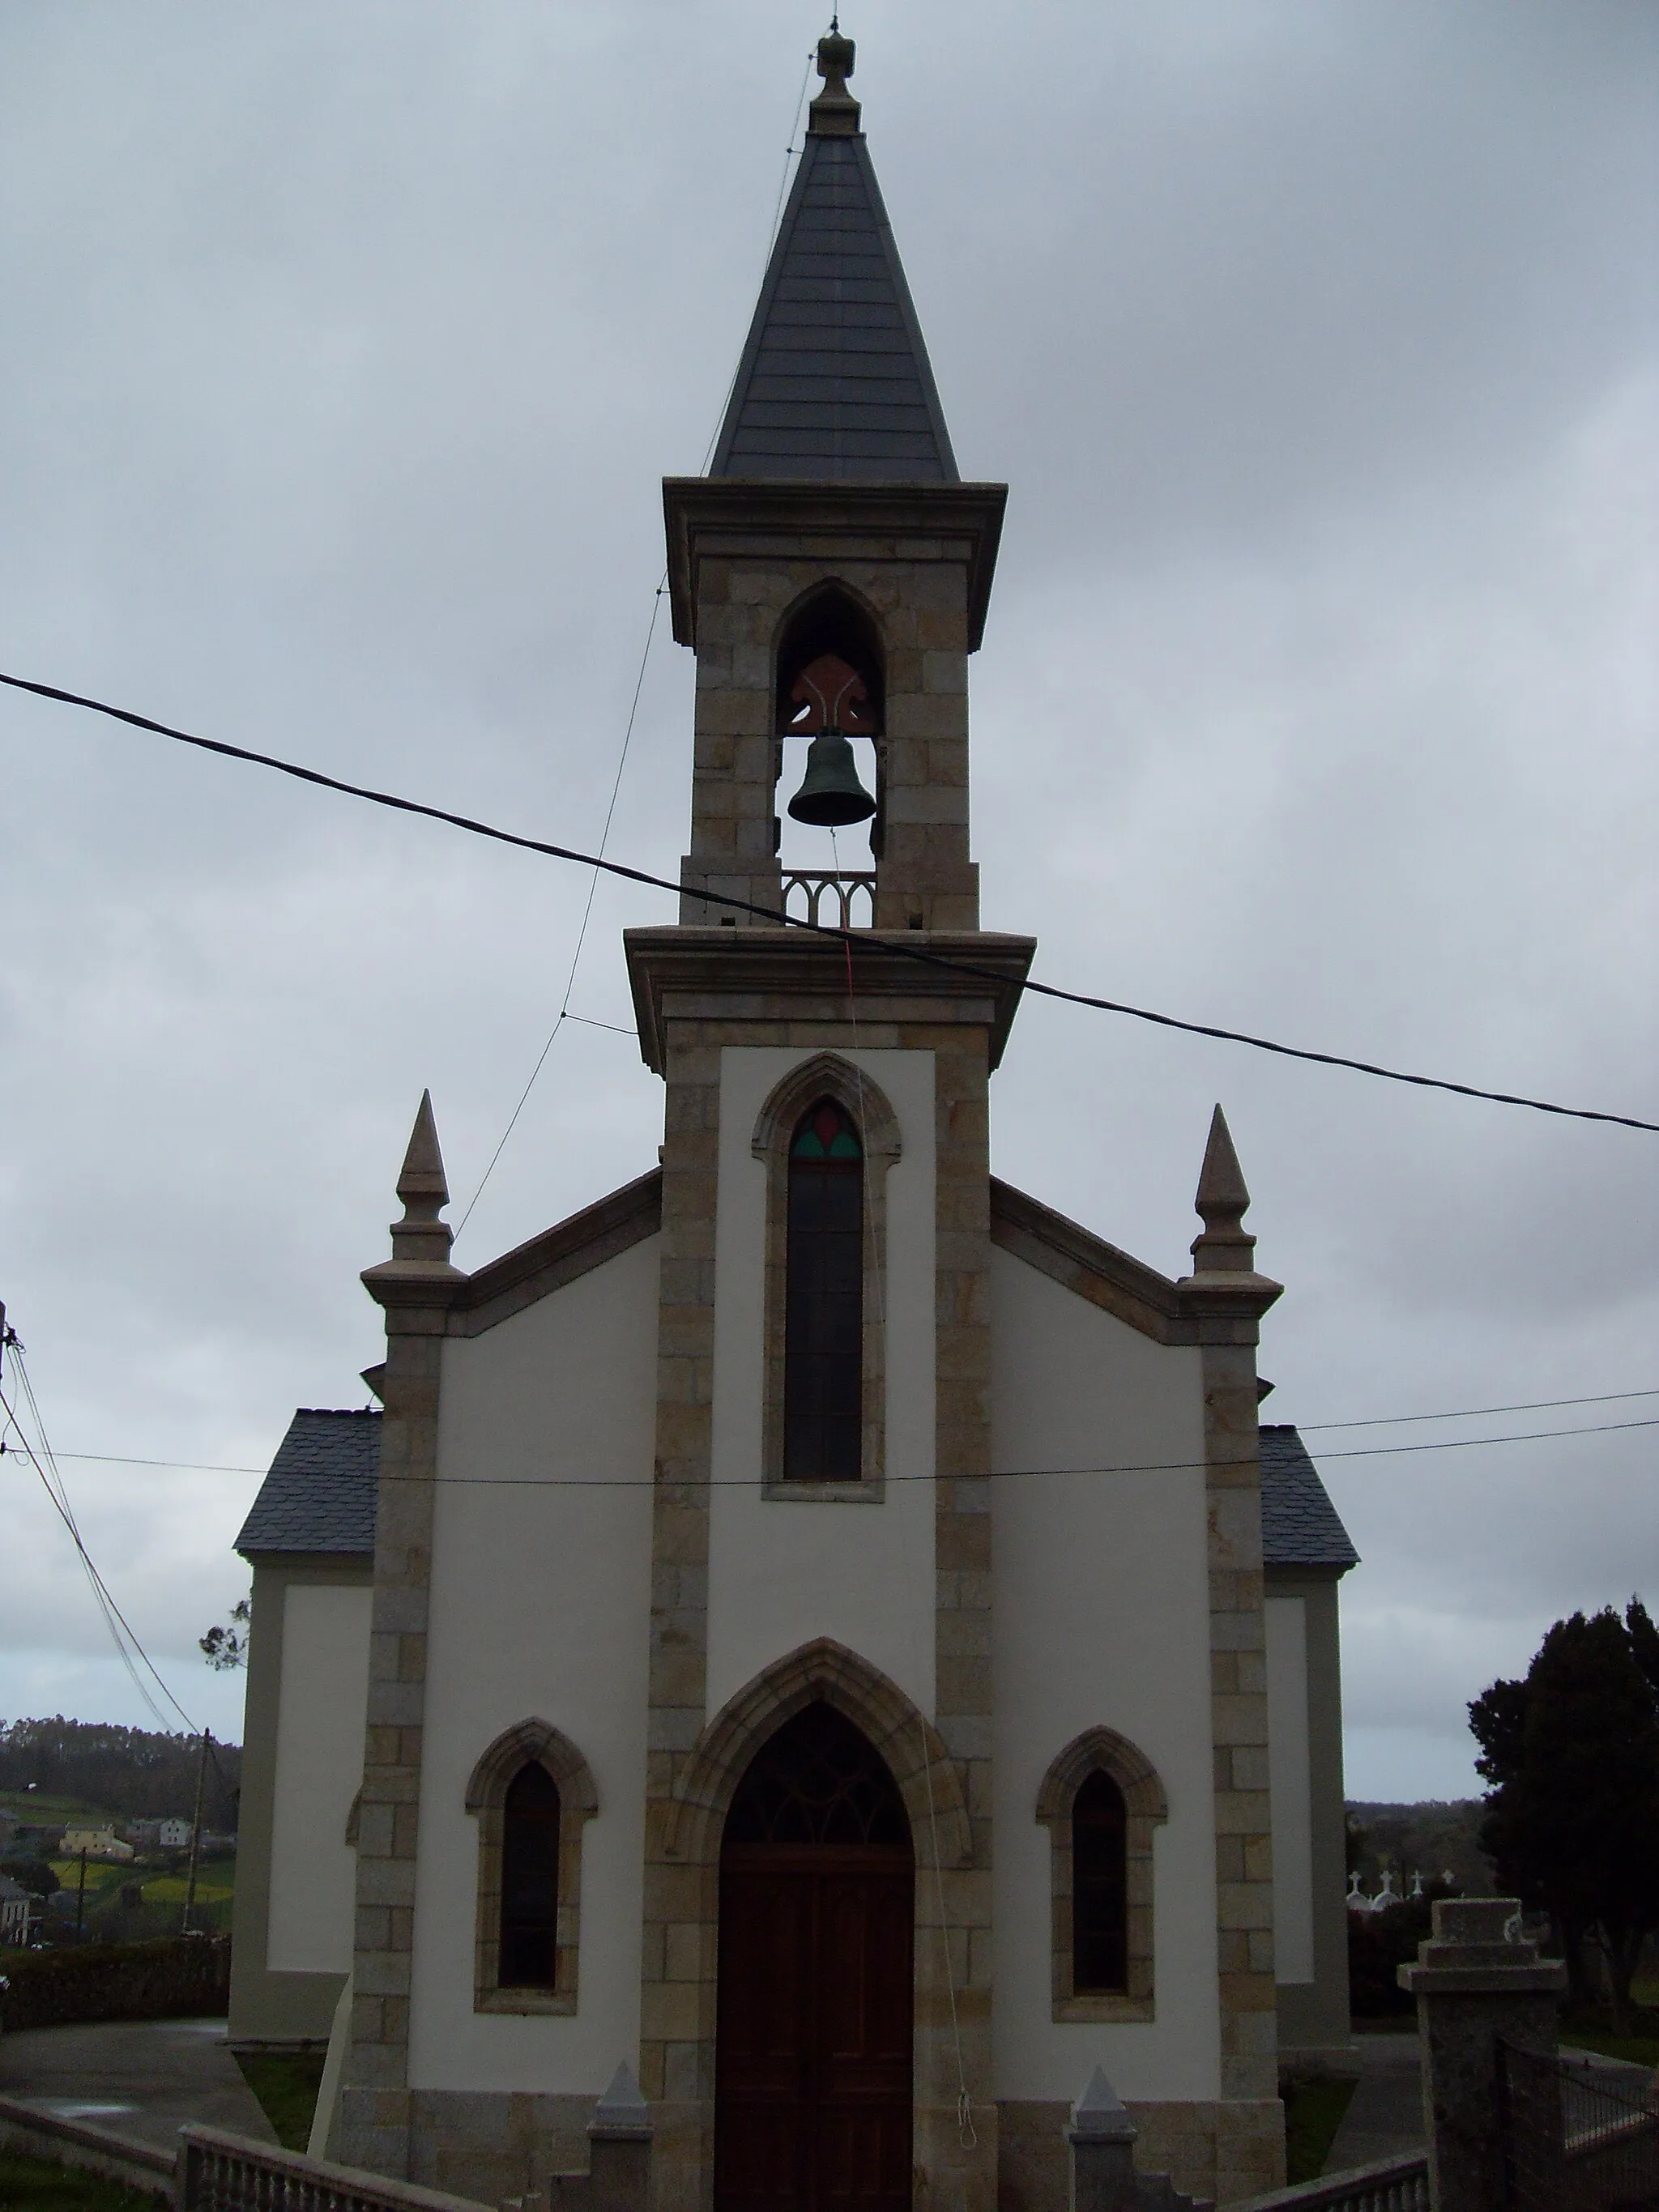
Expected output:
(789, 153)
(1379, 1421)
(581, 934)
(881, 947)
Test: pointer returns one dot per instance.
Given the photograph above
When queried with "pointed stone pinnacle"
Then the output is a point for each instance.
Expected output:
(1099, 2115)
(422, 1175)
(1223, 1195)
(623, 2099)
(422, 1187)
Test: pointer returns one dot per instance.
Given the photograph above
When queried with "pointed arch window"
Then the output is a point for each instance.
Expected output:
(533, 1794)
(1100, 1895)
(530, 1881)
(824, 1314)
(1100, 1802)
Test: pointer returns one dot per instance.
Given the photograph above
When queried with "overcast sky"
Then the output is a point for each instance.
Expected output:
(343, 351)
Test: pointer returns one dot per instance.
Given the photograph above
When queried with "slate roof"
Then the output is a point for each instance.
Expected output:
(319, 1495)
(1300, 1527)
(834, 384)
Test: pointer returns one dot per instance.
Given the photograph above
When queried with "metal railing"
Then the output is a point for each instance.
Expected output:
(218, 2172)
(1575, 2138)
(847, 901)
(1387, 2184)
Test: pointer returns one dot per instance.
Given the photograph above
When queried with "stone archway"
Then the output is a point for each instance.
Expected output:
(687, 1821)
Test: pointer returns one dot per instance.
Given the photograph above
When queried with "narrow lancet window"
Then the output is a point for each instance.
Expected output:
(1100, 1893)
(823, 1327)
(530, 1881)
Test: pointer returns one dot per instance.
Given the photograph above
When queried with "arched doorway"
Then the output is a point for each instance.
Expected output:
(812, 2091)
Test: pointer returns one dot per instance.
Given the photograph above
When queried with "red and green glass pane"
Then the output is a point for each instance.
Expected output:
(825, 1132)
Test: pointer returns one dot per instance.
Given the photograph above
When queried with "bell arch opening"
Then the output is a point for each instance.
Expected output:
(830, 690)
(815, 2014)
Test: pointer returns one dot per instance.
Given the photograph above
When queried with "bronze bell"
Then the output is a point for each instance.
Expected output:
(831, 794)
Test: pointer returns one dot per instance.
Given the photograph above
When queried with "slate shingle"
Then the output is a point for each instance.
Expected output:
(319, 1495)
(1300, 1527)
(834, 384)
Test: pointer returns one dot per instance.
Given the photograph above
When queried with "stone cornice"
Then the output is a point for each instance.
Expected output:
(729, 516)
(1070, 1254)
(546, 1263)
(773, 976)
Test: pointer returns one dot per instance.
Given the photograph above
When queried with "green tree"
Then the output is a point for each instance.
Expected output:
(226, 1647)
(1572, 1758)
(34, 1875)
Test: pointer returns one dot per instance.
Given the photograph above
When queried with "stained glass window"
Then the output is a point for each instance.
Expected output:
(823, 1321)
(818, 1781)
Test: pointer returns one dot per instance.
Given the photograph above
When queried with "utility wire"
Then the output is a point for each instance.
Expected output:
(883, 947)
(53, 1485)
(564, 1013)
(1377, 1421)
(994, 1474)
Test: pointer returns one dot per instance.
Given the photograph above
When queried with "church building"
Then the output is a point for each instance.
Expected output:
(814, 1655)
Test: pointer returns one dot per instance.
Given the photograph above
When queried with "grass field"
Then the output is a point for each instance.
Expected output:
(40, 1809)
(163, 1895)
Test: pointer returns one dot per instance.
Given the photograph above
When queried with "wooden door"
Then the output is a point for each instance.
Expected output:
(813, 2043)
(813, 2070)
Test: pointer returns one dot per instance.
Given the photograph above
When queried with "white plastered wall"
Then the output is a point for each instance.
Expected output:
(540, 1608)
(1290, 1781)
(1102, 1618)
(320, 1769)
(782, 1571)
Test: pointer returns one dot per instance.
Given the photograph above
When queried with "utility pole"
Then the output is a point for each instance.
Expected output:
(196, 1834)
(81, 1897)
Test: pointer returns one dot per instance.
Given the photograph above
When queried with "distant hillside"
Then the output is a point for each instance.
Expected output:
(130, 1773)
(1435, 1837)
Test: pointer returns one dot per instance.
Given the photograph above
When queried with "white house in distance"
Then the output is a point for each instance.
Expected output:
(818, 1627)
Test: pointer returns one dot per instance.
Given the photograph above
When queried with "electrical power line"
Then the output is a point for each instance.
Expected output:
(1479, 1412)
(881, 947)
(121, 1631)
(999, 1475)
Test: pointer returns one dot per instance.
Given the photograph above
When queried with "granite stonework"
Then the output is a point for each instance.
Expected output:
(1478, 1982)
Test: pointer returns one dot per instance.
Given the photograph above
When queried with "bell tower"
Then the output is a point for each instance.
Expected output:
(832, 533)
(832, 574)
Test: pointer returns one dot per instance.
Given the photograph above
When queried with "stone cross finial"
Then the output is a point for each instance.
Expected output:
(834, 111)
(1225, 1246)
(425, 1191)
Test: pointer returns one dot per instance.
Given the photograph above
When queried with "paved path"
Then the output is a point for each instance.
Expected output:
(1385, 2115)
(140, 2078)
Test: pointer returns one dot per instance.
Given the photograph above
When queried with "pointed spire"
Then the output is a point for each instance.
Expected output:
(1100, 2115)
(835, 384)
(1225, 1246)
(425, 1191)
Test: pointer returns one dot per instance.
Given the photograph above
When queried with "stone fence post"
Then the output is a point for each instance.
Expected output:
(1478, 1982)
